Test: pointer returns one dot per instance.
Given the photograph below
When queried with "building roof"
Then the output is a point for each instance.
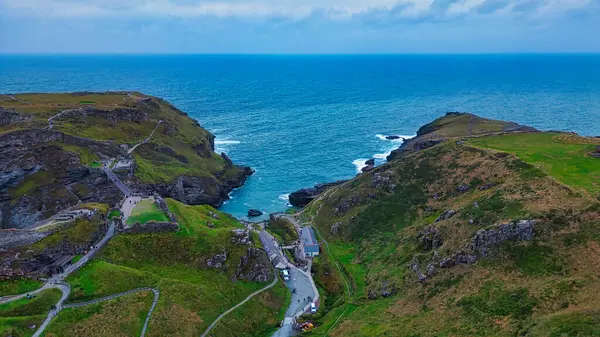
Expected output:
(311, 249)
(308, 236)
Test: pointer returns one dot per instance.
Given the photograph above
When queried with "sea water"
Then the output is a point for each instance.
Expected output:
(302, 120)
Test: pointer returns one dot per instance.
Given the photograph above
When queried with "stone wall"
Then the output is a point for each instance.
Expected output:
(152, 227)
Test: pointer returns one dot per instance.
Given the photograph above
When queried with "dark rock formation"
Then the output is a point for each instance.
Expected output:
(462, 188)
(60, 180)
(446, 215)
(430, 238)
(10, 116)
(254, 212)
(304, 196)
(217, 260)
(369, 165)
(253, 267)
(392, 137)
(346, 204)
(241, 237)
(485, 240)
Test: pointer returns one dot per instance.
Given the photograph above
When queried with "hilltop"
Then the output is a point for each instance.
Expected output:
(475, 227)
(53, 147)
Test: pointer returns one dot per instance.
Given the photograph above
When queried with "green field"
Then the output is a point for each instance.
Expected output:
(18, 286)
(562, 156)
(114, 213)
(146, 210)
(192, 294)
(126, 316)
(17, 316)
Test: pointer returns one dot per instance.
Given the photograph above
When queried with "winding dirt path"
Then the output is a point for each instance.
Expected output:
(212, 325)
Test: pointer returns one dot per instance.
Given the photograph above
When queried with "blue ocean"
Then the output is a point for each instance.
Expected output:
(302, 120)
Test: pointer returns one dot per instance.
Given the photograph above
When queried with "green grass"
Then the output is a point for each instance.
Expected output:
(283, 229)
(18, 286)
(95, 164)
(567, 162)
(86, 156)
(38, 305)
(31, 184)
(144, 211)
(19, 326)
(123, 316)
(115, 213)
(80, 232)
(578, 324)
(192, 294)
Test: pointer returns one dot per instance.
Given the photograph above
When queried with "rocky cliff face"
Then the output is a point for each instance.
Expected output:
(304, 196)
(45, 165)
(40, 178)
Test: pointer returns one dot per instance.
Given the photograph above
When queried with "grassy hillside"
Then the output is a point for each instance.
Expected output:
(422, 243)
(123, 316)
(16, 317)
(193, 294)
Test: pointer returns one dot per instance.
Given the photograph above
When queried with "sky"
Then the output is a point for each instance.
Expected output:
(299, 26)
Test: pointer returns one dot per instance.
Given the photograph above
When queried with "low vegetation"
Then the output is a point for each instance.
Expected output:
(376, 225)
(16, 317)
(123, 316)
(146, 210)
(283, 230)
(192, 294)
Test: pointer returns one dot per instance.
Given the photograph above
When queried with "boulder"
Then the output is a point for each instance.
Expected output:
(393, 137)
(369, 165)
(446, 215)
(254, 213)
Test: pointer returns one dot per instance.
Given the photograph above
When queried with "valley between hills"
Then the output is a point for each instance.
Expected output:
(110, 227)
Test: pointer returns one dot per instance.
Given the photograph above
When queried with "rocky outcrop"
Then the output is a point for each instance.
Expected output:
(430, 238)
(253, 267)
(304, 196)
(10, 116)
(113, 116)
(346, 204)
(217, 261)
(369, 165)
(241, 237)
(485, 240)
(446, 215)
(254, 213)
(57, 177)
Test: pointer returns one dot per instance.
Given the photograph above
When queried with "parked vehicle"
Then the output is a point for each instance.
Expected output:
(286, 275)
(313, 308)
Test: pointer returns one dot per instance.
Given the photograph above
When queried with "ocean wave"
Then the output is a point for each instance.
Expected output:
(380, 158)
(226, 142)
(360, 163)
(284, 197)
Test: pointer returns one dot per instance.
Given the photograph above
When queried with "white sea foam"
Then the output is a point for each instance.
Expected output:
(360, 163)
(381, 157)
(284, 197)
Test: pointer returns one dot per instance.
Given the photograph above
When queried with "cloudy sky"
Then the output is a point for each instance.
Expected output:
(299, 26)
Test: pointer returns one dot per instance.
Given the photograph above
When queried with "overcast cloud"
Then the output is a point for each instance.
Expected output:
(299, 26)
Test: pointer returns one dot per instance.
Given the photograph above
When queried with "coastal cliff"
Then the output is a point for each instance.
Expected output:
(53, 148)
(475, 227)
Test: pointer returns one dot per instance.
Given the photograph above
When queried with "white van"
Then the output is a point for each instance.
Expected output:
(286, 275)
(313, 308)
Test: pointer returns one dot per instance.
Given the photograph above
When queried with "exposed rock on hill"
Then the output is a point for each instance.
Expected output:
(302, 197)
(52, 161)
